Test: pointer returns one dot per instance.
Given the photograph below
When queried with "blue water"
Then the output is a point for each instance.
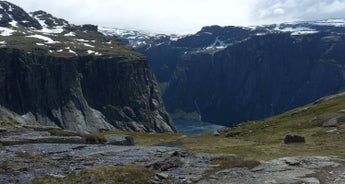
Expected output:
(195, 127)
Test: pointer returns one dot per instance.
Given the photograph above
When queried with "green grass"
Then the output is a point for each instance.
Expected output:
(4, 165)
(129, 174)
(232, 162)
(26, 155)
(179, 114)
(90, 138)
(263, 140)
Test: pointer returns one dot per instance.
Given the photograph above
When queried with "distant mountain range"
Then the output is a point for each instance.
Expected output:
(233, 74)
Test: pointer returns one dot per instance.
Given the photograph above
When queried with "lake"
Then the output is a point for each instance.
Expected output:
(195, 127)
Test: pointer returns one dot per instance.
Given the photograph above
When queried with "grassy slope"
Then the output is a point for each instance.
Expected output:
(260, 140)
(263, 140)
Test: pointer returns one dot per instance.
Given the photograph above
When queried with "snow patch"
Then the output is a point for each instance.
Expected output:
(209, 33)
(82, 40)
(296, 30)
(10, 8)
(72, 51)
(6, 31)
(3, 43)
(93, 52)
(218, 44)
(88, 45)
(70, 34)
(90, 52)
(13, 23)
(46, 39)
(261, 34)
(303, 32)
(40, 44)
(46, 29)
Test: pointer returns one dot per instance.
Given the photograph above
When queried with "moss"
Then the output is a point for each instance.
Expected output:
(162, 86)
(129, 174)
(90, 138)
(4, 165)
(232, 162)
(180, 114)
(26, 155)
(60, 132)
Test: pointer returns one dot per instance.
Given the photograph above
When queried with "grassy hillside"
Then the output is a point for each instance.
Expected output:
(263, 140)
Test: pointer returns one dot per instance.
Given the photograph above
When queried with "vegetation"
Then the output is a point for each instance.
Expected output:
(64, 46)
(4, 165)
(129, 174)
(263, 140)
(26, 155)
(179, 114)
(90, 138)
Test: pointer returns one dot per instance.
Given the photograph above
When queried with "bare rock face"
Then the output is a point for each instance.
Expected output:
(74, 77)
(331, 123)
(9, 12)
(290, 170)
(83, 94)
(124, 140)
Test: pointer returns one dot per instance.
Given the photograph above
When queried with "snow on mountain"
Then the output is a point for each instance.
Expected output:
(137, 39)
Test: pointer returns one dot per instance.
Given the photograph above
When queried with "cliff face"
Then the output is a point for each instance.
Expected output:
(259, 78)
(74, 77)
(233, 74)
(85, 94)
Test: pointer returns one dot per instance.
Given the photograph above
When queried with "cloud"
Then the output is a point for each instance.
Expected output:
(292, 10)
(185, 16)
(182, 16)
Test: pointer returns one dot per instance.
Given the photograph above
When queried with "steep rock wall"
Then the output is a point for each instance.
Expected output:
(85, 93)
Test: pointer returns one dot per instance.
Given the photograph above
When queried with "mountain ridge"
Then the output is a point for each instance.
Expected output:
(199, 73)
(74, 77)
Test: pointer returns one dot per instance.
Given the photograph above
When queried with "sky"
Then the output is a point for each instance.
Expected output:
(185, 16)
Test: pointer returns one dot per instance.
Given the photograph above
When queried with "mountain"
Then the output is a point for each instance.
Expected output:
(233, 74)
(74, 77)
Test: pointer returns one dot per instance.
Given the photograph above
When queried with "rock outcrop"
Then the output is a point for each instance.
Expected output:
(73, 77)
(82, 93)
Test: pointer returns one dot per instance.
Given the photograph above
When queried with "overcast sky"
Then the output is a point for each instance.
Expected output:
(185, 16)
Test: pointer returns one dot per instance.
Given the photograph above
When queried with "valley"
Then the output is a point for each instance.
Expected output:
(228, 104)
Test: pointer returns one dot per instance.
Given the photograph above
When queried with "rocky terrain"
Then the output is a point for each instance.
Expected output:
(50, 158)
(253, 152)
(65, 158)
(289, 170)
(233, 74)
(73, 77)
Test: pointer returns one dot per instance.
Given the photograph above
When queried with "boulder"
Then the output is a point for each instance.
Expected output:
(216, 133)
(124, 140)
(162, 175)
(331, 123)
(294, 139)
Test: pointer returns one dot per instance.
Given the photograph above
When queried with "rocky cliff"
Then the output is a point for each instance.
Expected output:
(261, 77)
(74, 77)
(233, 74)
